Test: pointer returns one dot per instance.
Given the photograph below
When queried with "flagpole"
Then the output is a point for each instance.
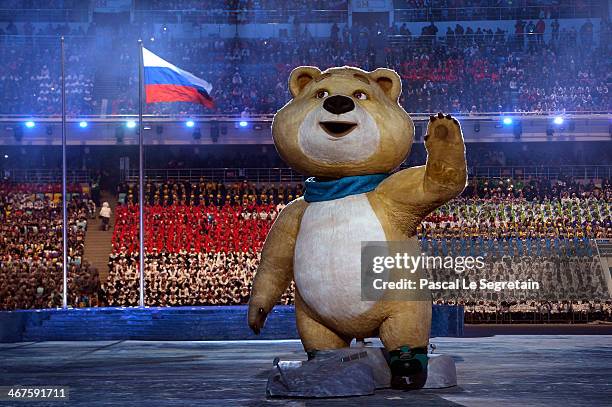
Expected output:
(141, 251)
(64, 181)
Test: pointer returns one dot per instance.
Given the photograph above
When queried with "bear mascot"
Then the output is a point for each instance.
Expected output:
(345, 129)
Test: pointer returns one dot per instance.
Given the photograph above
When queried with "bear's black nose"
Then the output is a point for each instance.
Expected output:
(338, 104)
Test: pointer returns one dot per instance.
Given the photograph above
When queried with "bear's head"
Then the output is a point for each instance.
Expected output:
(343, 122)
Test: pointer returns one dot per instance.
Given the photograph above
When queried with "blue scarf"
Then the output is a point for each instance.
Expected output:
(319, 191)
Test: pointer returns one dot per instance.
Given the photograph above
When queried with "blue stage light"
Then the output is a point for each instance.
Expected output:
(243, 123)
(29, 124)
(507, 121)
(189, 123)
(130, 124)
(5, 155)
(558, 120)
(83, 124)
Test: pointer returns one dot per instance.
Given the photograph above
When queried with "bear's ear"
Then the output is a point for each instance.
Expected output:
(389, 81)
(300, 77)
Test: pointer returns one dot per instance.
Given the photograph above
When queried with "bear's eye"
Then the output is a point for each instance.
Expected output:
(360, 95)
(322, 94)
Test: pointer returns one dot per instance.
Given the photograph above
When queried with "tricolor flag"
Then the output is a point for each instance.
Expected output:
(165, 82)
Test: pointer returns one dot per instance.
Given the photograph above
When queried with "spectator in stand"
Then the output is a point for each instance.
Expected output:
(555, 30)
(539, 30)
(105, 214)
(530, 31)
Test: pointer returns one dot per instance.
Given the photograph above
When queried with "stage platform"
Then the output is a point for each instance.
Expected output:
(536, 370)
(171, 324)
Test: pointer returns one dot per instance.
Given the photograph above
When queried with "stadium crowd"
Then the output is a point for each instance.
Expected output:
(243, 5)
(30, 80)
(189, 236)
(453, 10)
(205, 192)
(526, 311)
(306, 10)
(31, 274)
(467, 69)
(211, 278)
(177, 228)
(203, 241)
(568, 285)
(561, 277)
(405, 10)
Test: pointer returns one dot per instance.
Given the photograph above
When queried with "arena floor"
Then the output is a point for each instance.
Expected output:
(506, 370)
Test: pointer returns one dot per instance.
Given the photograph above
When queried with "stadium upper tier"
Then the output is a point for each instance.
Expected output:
(308, 11)
(469, 69)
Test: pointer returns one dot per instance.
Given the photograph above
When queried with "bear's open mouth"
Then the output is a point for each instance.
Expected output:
(337, 129)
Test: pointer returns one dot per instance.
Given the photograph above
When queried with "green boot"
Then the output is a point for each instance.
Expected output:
(408, 368)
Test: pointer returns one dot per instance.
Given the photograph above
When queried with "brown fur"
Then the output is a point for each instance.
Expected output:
(400, 202)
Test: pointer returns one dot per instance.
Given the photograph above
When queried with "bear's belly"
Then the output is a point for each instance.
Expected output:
(327, 261)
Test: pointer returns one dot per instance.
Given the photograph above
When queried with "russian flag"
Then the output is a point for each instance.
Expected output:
(165, 82)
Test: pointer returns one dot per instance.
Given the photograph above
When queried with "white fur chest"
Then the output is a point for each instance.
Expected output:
(327, 261)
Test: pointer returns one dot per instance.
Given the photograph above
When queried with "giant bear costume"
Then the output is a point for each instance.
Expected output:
(345, 129)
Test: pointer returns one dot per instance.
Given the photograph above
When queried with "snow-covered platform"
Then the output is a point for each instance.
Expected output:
(508, 370)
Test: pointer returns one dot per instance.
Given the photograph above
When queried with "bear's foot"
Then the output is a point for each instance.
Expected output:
(408, 368)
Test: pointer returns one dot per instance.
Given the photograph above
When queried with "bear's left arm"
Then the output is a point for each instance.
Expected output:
(411, 194)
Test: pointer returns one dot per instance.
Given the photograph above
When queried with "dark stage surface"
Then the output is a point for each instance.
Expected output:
(534, 370)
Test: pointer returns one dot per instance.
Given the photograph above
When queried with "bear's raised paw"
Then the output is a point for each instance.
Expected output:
(443, 128)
